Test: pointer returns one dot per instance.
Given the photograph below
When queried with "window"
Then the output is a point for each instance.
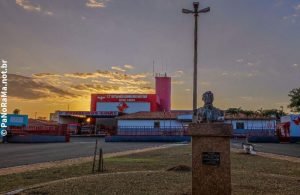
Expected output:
(239, 125)
(156, 124)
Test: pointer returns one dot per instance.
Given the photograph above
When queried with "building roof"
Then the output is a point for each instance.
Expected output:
(172, 115)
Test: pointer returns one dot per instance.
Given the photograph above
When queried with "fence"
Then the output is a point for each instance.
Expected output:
(39, 130)
(151, 131)
(148, 130)
(253, 132)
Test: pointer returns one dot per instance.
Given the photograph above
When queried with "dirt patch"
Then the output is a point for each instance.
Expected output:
(180, 168)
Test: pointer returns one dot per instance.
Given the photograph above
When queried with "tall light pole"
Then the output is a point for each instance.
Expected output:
(195, 12)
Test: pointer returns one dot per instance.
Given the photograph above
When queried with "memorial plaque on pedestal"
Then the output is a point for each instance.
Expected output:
(211, 158)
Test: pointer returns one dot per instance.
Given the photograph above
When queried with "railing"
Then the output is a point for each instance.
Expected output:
(253, 132)
(262, 132)
(150, 131)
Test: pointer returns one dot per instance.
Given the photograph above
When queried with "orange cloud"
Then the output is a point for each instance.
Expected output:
(96, 4)
(78, 85)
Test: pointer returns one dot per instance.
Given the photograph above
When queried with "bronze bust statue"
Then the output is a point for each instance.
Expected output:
(208, 113)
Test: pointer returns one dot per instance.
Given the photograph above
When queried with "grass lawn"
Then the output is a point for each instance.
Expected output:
(145, 173)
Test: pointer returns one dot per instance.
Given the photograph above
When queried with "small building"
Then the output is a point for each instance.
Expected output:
(152, 123)
(289, 128)
(152, 126)
(252, 125)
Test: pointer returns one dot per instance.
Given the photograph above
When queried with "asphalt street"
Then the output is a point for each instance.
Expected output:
(286, 149)
(22, 154)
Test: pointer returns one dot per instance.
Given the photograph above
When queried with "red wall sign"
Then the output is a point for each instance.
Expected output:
(123, 98)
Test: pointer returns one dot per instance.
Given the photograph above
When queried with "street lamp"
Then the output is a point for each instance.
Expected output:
(195, 12)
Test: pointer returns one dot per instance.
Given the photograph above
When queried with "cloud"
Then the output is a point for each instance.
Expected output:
(28, 88)
(128, 66)
(48, 13)
(247, 98)
(81, 75)
(105, 74)
(247, 62)
(177, 82)
(205, 83)
(98, 88)
(292, 18)
(295, 65)
(41, 75)
(224, 73)
(75, 86)
(127, 81)
(27, 5)
(240, 75)
(178, 73)
(118, 68)
(240, 60)
(110, 88)
(96, 3)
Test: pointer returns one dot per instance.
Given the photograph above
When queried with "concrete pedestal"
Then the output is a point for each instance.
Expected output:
(211, 158)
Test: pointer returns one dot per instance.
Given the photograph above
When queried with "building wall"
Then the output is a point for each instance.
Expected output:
(163, 90)
(149, 123)
(253, 124)
(109, 123)
(67, 120)
(294, 120)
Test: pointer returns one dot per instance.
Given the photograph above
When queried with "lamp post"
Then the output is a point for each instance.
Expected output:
(195, 12)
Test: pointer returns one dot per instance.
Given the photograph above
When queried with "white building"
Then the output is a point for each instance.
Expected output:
(146, 122)
(152, 122)
(243, 126)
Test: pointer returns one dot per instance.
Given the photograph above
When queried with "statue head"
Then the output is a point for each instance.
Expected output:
(208, 98)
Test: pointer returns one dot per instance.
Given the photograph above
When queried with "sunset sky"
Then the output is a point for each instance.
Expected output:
(61, 51)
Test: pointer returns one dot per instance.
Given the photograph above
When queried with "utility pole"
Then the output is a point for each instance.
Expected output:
(196, 12)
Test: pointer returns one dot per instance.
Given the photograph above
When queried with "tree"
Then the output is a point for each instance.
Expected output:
(16, 111)
(273, 113)
(233, 111)
(248, 113)
(294, 95)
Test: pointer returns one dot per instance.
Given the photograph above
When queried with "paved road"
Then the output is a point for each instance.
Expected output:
(22, 154)
(282, 149)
